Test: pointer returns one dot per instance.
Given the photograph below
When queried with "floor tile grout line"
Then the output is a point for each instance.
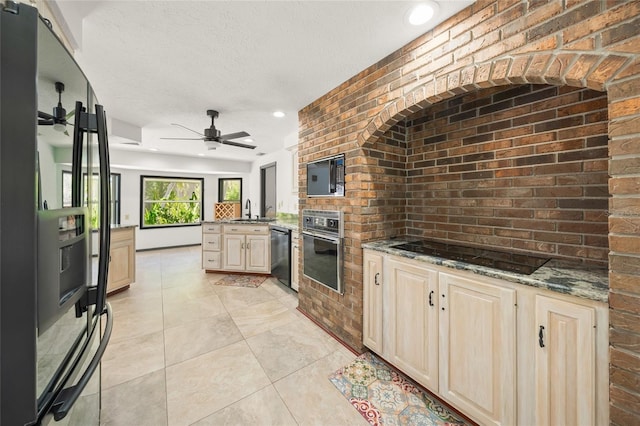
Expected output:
(277, 294)
(164, 348)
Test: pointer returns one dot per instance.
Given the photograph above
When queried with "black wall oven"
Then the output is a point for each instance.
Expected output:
(322, 247)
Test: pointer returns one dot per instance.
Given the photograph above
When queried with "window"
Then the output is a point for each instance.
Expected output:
(168, 201)
(94, 203)
(230, 190)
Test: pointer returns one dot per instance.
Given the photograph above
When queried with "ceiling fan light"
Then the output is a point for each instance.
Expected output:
(212, 144)
(59, 127)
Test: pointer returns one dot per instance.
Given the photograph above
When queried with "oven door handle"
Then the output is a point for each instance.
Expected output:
(335, 240)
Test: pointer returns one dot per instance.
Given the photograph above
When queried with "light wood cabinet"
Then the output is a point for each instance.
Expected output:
(122, 259)
(211, 246)
(565, 363)
(295, 259)
(372, 306)
(475, 342)
(257, 253)
(233, 253)
(410, 317)
(478, 348)
(236, 248)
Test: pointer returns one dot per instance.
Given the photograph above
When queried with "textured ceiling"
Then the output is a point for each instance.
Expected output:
(153, 63)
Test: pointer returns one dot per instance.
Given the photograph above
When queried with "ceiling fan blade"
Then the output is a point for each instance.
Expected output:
(234, 135)
(184, 139)
(191, 130)
(45, 115)
(238, 144)
(69, 115)
(45, 122)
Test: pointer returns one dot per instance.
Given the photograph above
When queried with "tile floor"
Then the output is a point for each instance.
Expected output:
(187, 352)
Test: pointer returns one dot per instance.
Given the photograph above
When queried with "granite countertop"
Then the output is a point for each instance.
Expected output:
(116, 227)
(564, 277)
(281, 223)
(293, 226)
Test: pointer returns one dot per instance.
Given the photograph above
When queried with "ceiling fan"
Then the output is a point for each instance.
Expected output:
(212, 136)
(59, 118)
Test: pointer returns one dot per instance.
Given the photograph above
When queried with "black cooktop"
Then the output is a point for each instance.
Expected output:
(510, 262)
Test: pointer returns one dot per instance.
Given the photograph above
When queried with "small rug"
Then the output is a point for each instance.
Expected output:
(386, 397)
(252, 281)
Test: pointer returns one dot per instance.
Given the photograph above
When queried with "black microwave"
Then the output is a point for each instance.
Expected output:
(325, 178)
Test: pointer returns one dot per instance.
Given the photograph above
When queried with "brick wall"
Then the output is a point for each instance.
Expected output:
(521, 167)
(576, 43)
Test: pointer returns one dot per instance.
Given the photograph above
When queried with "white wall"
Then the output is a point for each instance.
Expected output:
(50, 178)
(286, 178)
(132, 165)
(165, 237)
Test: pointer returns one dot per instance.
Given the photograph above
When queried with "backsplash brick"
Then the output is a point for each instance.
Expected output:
(474, 192)
(508, 160)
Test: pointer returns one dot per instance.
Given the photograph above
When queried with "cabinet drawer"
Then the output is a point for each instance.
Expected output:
(211, 259)
(210, 241)
(122, 234)
(246, 229)
(211, 228)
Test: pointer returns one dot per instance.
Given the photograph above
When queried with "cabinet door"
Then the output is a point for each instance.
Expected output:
(295, 258)
(257, 256)
(122, 260)
(372, 292)
(411, 321)
(565, 363)
(478, 348)
(234, 252)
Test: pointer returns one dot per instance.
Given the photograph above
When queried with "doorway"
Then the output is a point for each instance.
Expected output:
(268, 190)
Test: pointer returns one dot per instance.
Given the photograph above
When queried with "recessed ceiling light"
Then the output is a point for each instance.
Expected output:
(200, 155)
(422, 13)
(249, 140)
(153, 149)
(278, 114)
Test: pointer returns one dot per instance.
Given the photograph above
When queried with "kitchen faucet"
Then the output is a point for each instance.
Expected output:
(247, 205)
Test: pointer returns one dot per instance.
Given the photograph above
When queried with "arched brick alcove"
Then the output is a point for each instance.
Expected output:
(561, 69)
(586, 44)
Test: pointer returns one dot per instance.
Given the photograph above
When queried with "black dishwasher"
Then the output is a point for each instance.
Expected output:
(281, 254)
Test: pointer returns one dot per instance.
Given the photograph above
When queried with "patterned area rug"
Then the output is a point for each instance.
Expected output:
(252, 281)
(385, 397)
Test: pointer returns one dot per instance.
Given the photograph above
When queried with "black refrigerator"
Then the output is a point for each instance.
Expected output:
(54, 199)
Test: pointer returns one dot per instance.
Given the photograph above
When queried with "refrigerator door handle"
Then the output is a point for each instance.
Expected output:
(76, 163)
(105, 219)
(67, 397)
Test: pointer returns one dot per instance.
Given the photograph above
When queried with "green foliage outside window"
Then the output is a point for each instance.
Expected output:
(229, 190)
(171, 202)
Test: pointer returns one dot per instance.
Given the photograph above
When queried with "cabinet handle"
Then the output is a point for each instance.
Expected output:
(431, 298)
(375, 278)
(541, 336)
(242, 246)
